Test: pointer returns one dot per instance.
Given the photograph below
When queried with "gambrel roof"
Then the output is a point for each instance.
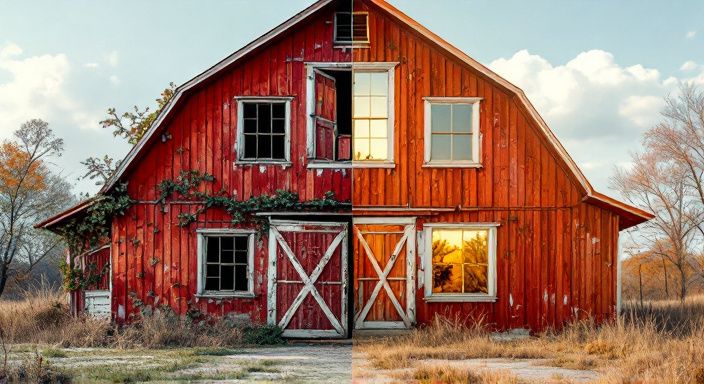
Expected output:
(629, 215)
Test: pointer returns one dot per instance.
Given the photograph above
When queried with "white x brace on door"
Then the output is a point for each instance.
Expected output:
(307, 294)
(387, 245)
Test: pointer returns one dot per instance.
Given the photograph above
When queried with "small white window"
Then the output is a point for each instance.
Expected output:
(452, 132)
(373, 114)
(263, 130)
(351, 28)
(225, 262)
(460, 262)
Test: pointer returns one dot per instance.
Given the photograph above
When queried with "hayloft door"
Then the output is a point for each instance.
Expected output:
(307, 295)
(325, 116)
(384, 273)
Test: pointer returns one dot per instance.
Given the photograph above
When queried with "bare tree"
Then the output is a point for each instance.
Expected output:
(29, 192)
(658, 183)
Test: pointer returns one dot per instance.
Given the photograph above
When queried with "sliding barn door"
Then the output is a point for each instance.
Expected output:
(307, 294)
(384, 273)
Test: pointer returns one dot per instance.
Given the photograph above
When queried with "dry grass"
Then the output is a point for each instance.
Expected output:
(661, 343)
(444, 374)
(43, 318)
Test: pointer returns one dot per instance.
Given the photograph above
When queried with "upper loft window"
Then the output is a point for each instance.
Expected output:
(452, 131)
(263, 130)
(351, 28)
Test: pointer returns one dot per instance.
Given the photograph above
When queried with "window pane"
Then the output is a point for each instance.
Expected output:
(475, 279)
(361, 149)
(378, 149)
(227, 243)
(378, 128)
(379, 83)
(278, 110)
(440, 118)
(227, 257)
(212, 249)
(278, 126)
(264, 147)
(379, 106)
(227, 276)
(241, 257)
(361, 106)
(250, 146)
(264, 119)
(361, 128)
(462, 147)
(212, 284)
(249, 110)
(250, 125)
(461, 118)
(278, 144)
(447, 278)
(212, 270)
(362, 83)
(447, 246)
(241, 278)
(476, 247)
(440, 147)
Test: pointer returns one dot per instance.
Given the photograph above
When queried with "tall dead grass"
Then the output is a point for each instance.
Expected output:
(658, 343)
(42, 317)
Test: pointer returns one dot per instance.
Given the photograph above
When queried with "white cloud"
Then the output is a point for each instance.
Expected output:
(36, 88)
(597, 107)
(91, 65)
(691, 34)
(689, 65)
(113, 58)
(114, 80)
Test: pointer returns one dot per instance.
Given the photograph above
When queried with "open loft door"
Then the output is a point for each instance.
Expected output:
(332, 115)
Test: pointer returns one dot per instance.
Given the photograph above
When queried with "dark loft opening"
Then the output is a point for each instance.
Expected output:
(333, 114)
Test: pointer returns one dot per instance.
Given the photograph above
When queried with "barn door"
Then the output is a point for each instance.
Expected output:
(308, 278)
(325, 116)
(384, 273)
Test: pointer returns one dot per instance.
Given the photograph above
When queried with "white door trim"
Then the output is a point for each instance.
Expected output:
(276, 241)
(408, 239)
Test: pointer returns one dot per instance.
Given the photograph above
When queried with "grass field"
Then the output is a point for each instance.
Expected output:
(662, 342)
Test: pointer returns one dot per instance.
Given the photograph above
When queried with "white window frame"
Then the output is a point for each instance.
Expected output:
(390, 69)
(310, 113)
(428, 264)
(219, 232)
(475, 162)
(239, 144)
(340, 43)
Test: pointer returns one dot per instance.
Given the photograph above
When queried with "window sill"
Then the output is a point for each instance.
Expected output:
(329, 165)
(265, 163)
(349, 44)
(460, 299)
(452, 165)
(225, 295)
(373, 164)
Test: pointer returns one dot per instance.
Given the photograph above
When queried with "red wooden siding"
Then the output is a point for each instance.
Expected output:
(154, 259)
(556, 257)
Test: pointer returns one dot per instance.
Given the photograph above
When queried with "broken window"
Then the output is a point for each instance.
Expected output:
(332, 114)
(351, 28)
(263, 130)
(462, 263)
(226, 262)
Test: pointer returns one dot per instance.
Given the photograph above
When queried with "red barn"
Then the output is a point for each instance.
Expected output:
(452, 197)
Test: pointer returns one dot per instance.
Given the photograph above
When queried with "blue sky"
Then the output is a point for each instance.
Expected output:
(596, 70)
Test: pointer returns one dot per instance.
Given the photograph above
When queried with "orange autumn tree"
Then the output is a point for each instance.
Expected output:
(29, 192)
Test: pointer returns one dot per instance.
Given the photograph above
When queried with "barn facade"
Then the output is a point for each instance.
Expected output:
(424, 185)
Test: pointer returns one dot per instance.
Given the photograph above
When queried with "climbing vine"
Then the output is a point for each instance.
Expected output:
(188, 183)
(77, 278)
